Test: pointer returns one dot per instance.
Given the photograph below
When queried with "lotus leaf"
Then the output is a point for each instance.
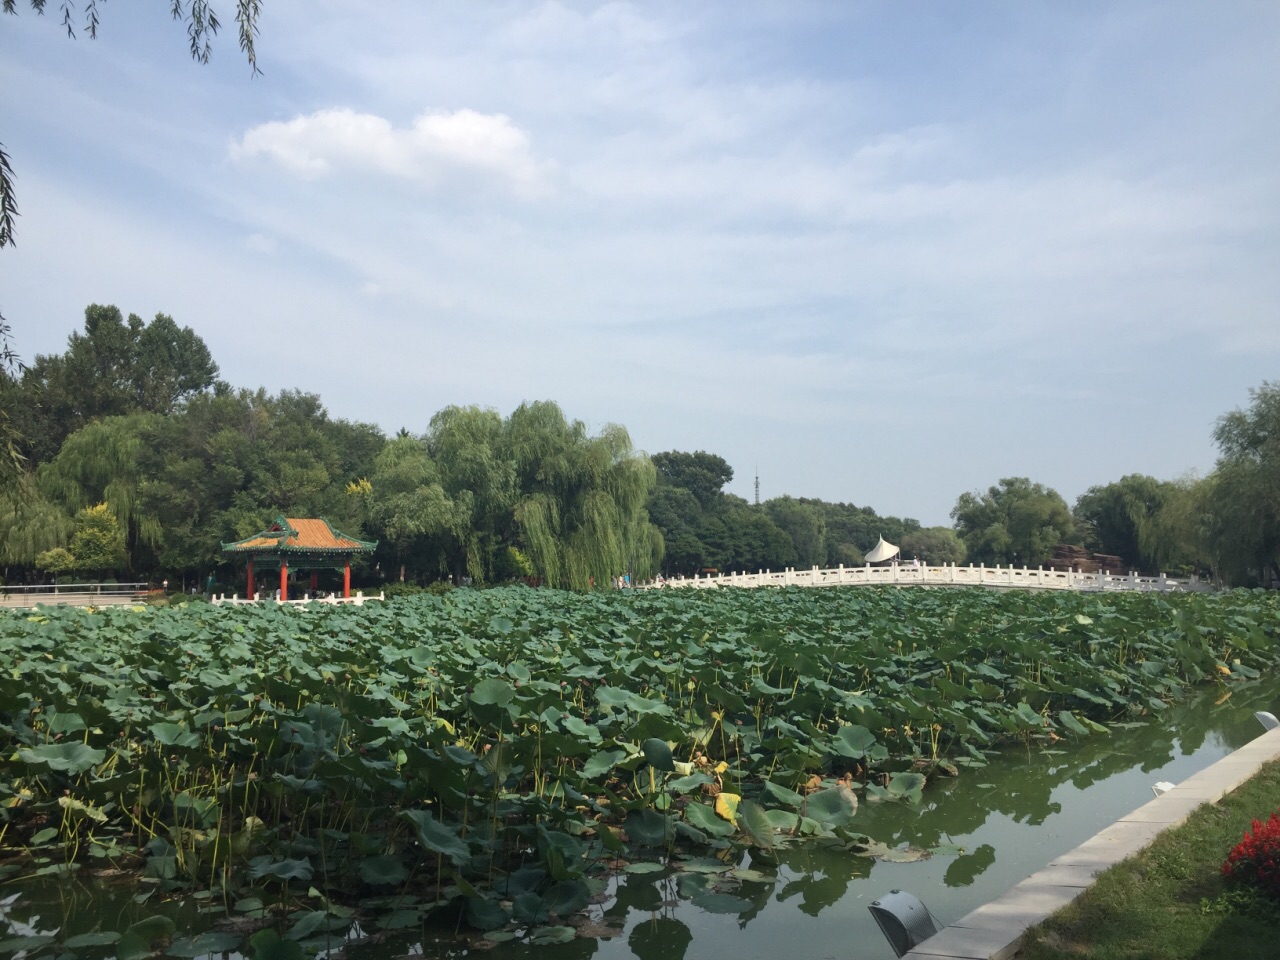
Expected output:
(705, 819)
(100, 938)
(545, 935)
(173, 735)
(727, 806)
(853, 741)
(72, 758)
(833, 807)
(481, 913)
(383, 870)
(658, 754)
(493, 692)
(722, 903)
(648, 828)
(136, 942)
(437, 837)
(287, 869)
(268, 945)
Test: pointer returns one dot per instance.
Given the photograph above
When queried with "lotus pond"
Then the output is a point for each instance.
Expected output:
(530, 767)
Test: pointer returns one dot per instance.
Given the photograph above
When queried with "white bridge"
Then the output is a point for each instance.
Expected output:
(947, 575)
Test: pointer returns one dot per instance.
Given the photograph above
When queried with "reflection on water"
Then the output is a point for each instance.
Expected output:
(1008, 819)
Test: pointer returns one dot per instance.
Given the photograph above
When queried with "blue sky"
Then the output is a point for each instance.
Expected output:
(884, 253)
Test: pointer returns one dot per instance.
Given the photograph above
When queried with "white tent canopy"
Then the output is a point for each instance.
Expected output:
(884, 550)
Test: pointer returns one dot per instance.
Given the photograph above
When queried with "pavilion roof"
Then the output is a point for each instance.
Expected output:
(299, 535)
(883, 550)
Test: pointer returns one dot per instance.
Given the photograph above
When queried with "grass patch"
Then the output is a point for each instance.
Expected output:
(1170, 902)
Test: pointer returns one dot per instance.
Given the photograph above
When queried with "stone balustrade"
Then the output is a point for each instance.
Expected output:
(358, 600)
(945, 575)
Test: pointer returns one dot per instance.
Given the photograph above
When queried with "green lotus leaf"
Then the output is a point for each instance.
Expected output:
(484, 914)
(383, 870)
(704, 818)
(437, 837)
(779, 794)
(269, 945)
(852, 741)
(72, 758)
(690, 783)
(1068, 720)
(99, 938)
(138, 940)
(907, 786)
(286, 869)
(833, 807)
(566, 898)
(203, 944)
(173, 735)
(658, 754)
(722, 903)
(602, 763)
(546, 935)
(754, 821)
(493, 692)
(649, 828)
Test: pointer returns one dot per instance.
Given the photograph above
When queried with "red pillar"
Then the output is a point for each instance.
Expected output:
(315, 582)
(346, 579)
(250, 578)
(284, 579)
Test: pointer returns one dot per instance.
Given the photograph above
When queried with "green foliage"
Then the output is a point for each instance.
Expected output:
(1112, 518)
(702, 474)
(806, 527)
(1015, 522)
(1170, 900)
(114, 368)
(55, 561)
(29, 524)
(1245, 495)
(98, 542)
(934, 545)
(462, 746)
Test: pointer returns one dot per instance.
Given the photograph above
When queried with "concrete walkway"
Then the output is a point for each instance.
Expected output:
(995, 930)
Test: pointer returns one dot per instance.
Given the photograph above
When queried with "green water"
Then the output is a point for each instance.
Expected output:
(1007, 819)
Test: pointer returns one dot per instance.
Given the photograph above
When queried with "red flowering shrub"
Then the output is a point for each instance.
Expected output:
(1256, 859)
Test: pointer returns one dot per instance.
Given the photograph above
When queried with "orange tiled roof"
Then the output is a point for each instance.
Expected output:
(298, 533)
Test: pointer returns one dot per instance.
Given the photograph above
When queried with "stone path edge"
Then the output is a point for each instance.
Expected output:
(995, 930)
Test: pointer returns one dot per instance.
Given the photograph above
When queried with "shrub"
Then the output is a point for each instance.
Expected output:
(1256, 859)
(401, 588)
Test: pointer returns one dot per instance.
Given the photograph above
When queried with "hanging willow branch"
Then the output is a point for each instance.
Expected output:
(202, 26)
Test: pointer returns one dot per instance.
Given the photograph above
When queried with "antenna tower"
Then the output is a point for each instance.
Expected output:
(757, 486)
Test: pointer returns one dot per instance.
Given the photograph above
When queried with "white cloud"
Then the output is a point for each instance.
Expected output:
(434, 147)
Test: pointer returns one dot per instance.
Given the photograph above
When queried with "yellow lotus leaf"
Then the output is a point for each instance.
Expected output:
(1223, 669)
(727, 807)
(721, 767)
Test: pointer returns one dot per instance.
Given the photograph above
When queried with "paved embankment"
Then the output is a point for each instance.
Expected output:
(995, 930)
(20, 602)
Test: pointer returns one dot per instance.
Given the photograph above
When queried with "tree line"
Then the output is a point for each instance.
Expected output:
(126, 454)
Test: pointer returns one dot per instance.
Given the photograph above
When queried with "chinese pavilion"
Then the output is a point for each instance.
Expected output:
(304, 544)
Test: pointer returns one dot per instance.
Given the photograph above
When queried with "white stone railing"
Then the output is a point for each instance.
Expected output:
(357, 600)
(946, 575)
(73, 595)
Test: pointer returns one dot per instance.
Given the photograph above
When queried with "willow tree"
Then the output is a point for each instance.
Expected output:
(1247, 487)
(107, 462)
(580, 507)
(478, 477)
(1189, 532)
(407, 503)
(29, 523)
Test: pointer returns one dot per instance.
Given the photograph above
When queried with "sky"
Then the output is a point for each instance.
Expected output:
(879, 253)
